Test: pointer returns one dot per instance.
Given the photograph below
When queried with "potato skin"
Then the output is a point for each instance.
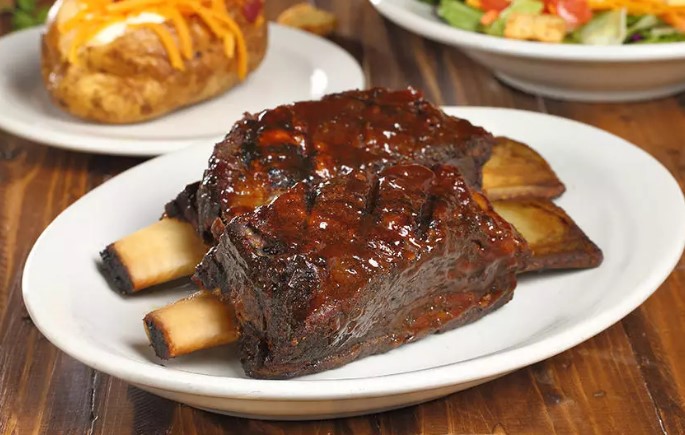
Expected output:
(131, 79)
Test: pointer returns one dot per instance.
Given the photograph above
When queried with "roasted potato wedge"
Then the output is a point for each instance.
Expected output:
(555, 240)
(131, 78)
(309, 18)
(517, 171)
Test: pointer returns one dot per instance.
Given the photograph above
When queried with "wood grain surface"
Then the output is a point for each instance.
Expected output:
(628, 379)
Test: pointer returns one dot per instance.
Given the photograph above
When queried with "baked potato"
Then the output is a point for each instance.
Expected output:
(140, 64)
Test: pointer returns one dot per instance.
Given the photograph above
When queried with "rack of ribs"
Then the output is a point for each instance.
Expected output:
(360, 264)
(315, 220)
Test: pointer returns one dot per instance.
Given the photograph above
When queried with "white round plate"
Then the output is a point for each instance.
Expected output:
(563, 71)
(298, 66)
(624, 199)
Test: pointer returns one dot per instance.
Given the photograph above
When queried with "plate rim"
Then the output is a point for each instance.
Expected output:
(447, 34)
(103, 145)
(499, 362)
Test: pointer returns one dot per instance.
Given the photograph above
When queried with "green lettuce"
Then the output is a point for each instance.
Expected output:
(459, 14)
(605, 28)
(649, 29)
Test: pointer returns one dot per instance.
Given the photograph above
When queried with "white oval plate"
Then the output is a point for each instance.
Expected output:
(298, 66)
(624, 199)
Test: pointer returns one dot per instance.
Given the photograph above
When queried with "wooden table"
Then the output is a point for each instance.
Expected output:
(628, 379)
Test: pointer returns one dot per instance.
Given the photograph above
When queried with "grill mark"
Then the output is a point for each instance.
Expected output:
(310, 197)
(372, 197)
(248, 146)
(425, 216)
(310, 157)
(308, 153)
(310, 164)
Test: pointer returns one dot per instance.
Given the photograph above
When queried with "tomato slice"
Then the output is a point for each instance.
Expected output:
(494, 5)
(574, 12)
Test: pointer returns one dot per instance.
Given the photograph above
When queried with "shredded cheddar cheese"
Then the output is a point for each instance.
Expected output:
(96, 15)
(168, 41)
(638, 7)
(219, 6)
(182, 31)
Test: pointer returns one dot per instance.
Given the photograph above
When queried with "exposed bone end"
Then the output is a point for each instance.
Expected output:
(164, 251)
(556, 242)
(200, 321)
(517, 171)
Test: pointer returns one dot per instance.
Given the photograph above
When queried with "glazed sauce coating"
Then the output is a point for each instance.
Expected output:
(267, 153)
(359, 264)
(360, 225)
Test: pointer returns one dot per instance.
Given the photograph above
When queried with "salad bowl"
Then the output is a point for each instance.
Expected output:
(592, 73)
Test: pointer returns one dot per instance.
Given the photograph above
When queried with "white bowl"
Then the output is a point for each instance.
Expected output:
(564, 71)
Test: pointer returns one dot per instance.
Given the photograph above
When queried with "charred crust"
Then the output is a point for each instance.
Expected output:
(116, 271)
(248, 144)
(372, 197)
(158, 339)
(425, 217)
(376, 345)
(319, 302)
(310, 198)
(184, 206)
(207, 272)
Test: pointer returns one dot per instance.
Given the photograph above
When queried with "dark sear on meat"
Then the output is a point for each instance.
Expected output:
(267, 153)
(349, 226)
(362, 263)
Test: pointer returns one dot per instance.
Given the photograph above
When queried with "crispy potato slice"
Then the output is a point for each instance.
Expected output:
(166, 250)
(200, 321)
(309, 18)
(517, 171)
(555, 240)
